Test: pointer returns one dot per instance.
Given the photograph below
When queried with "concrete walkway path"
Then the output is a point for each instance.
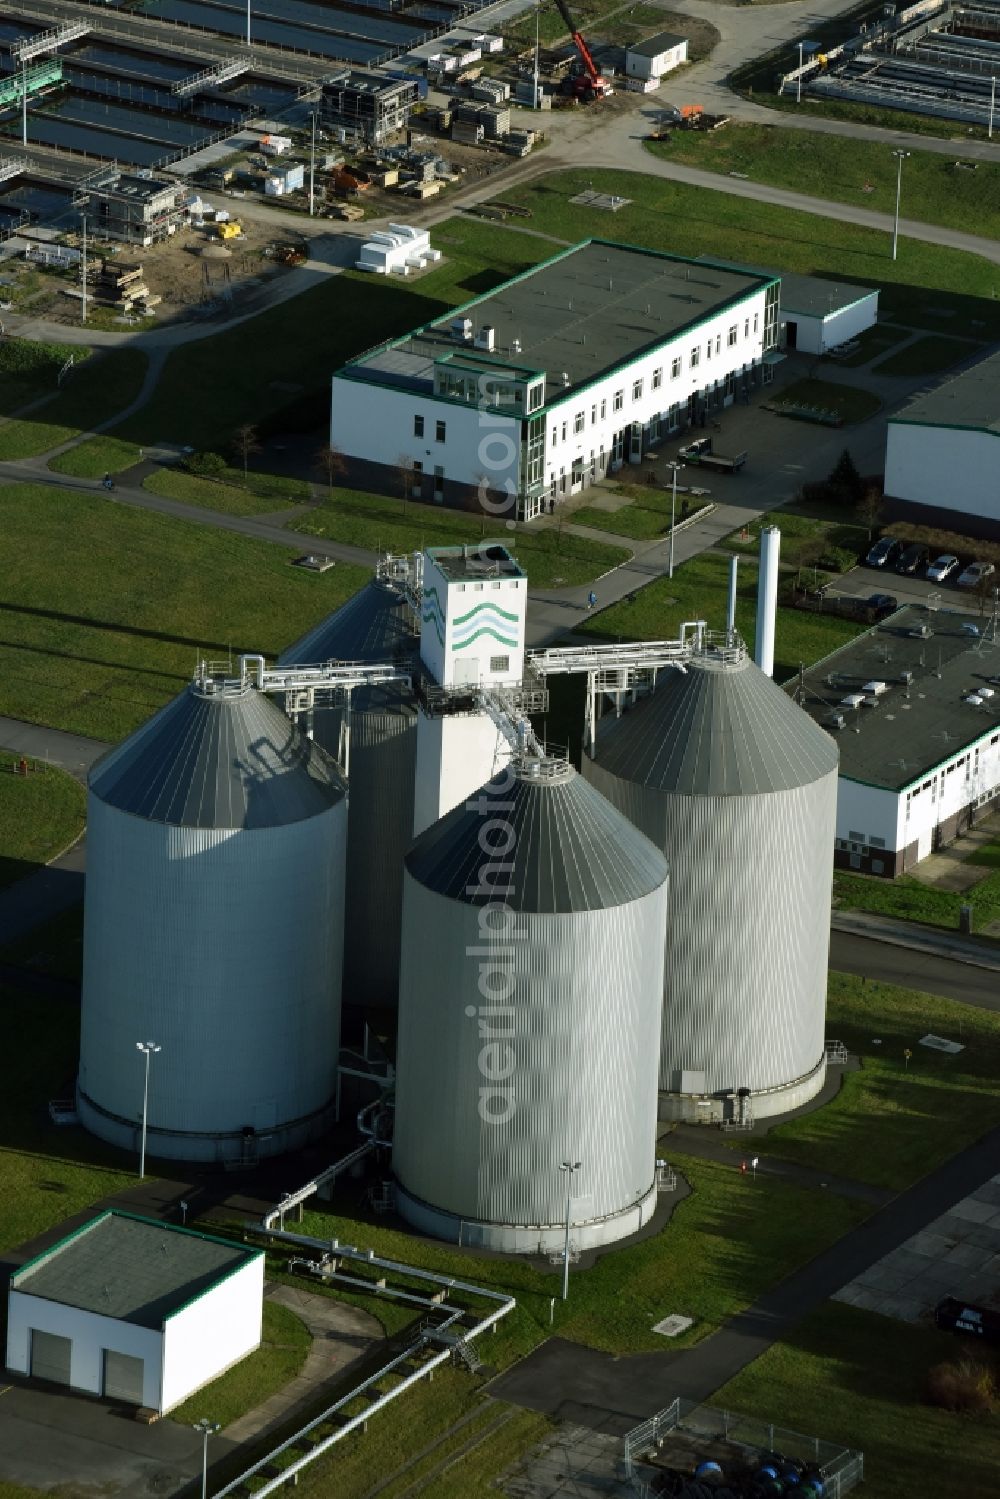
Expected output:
(341, 1334)
(927, 939)
(571, 1382)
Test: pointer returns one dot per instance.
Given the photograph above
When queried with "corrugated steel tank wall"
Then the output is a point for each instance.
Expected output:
(373, 626)
(221, 944)
(748, 941)
(738, 787)
(493, 1095)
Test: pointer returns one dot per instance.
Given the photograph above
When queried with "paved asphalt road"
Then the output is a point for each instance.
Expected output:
(888, 964)
(576, 1383)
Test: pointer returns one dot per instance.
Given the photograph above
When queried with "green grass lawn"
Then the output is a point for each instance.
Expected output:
(917, 1114)
(803, 532)
(382, 522)
(93, 393)
(854, 1377)
(285, 1343)
(274, 370)
(260, 494)
(743, 1236)
(47, 1171)
(40, 814)
(96, 643)
(29, 370)
(847, 169)
(645, 517)
(908, 899)
(927, 356)
(988, 854)
(699, 590)
(96, 457)
(846, 401)
(956, 288)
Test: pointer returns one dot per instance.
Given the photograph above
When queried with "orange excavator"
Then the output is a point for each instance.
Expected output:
(588, 84)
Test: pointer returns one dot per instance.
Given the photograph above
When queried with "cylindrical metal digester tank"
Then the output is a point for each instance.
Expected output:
(738, 786)
(216, 840)
(372, 627)
(530, 990)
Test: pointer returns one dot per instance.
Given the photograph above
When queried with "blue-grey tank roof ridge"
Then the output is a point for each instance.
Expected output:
(716, 730)
(219, 759)
(568, 849)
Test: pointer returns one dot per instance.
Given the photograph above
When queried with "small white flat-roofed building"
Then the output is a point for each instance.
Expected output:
(819, 315)
(657, 55)
(397, 250)
(914, 705)
(134, 1310)
(942, 453)
(537, 389)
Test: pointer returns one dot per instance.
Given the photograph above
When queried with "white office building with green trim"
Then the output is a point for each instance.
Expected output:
(942, 455)
(545, 384)
(135, 1311)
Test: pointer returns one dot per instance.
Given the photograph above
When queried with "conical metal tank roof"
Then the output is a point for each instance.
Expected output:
(221, 755)
(373, 626)
(538, 838)
(719, 728)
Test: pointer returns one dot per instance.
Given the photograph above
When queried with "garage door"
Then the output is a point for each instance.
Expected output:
(50, 1356)
(122, 1377)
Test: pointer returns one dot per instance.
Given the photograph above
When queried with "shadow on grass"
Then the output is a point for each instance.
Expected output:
(113, 627)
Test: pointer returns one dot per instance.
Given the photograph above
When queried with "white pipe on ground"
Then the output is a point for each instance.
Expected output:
(767, 598)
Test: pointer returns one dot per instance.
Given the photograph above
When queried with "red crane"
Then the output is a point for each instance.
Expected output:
(589, 84)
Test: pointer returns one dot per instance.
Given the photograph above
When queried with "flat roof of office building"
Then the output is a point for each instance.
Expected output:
(971, 399)
(576, 317)
(930, 663)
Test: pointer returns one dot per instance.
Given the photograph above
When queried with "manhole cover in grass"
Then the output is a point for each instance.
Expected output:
(938, 1043)
(672, 1327)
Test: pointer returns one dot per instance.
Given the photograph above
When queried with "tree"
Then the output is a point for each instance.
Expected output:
(245, 442)
(404, 471)
(845, 481)
(870, 508)
(206, 465)
(985, 590)
(331, 461)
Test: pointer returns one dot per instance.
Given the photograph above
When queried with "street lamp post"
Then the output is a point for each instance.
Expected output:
(148, 1049)
(569, 1167)
(900, 158)
(312, 167)
(675, 469)
(798, 80)
(993, 105)
(208, 1429)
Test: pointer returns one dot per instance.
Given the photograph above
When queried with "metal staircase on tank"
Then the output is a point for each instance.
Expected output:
(465, 1353)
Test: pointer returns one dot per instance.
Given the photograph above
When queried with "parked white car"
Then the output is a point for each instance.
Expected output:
(975, 573)
(942, 568)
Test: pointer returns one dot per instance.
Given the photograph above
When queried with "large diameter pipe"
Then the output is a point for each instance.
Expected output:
(734, 563)
(767, 598)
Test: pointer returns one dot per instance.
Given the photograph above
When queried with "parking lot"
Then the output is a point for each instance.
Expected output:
(862, 581)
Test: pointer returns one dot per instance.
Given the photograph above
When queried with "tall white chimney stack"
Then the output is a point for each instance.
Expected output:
(767, 598)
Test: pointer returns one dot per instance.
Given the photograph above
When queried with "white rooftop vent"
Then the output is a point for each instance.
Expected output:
(974, 700)
(836, 721)
(922, 632)
(985, 692)
(515, 346)
(461, 329)
(486, 338)
(852, 700)
(876, 687)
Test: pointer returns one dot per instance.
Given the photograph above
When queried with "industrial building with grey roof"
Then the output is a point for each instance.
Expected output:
(541, 386)
(914, 705)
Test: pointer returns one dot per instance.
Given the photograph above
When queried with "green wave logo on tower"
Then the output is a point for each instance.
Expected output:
(485, 619)
(432, 613)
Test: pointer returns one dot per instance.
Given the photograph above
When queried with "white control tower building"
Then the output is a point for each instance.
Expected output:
(473, 607)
